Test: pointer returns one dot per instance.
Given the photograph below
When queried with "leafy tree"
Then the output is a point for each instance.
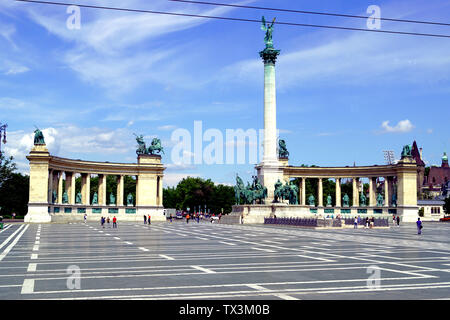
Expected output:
(14, 188)
(447, 205)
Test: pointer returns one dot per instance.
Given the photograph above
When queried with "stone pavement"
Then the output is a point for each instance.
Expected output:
(214, 261)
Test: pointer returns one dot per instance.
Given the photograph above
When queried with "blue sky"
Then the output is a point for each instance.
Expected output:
(342, 96)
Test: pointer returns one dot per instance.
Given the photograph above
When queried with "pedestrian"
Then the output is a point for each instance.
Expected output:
(13, 215)
(107, 221)
(148, 220)
(398, 221)
(198, 218)
(114, 222)
(102, 222)
(170, 218)
(355, 226)
(419, 226)
(145, 219)
(394, 221)
(187, 218)
(367, 223)
(359, 220)
(372, 222)
(85, 217)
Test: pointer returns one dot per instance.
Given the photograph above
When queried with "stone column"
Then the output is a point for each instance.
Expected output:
(102, 189)
(55, 183)
(338, 192)
(60, 187)
(161, 190)
(407, 189)
(391, 190)
(269, 171)
(85, 188)
(372, 191)
(303, 191)
(70, 187)
(355, 192)
(50, 186)
(387, 194)
(120, 188)
(320, 192)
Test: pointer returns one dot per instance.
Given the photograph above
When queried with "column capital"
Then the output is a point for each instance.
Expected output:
(269, 55)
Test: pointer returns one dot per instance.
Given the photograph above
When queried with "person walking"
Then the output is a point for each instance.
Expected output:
(145, 219)
(398, 221)
(367, 223)
(394, 221)
(102, 222)
(149, 220)
(372, 222)
(114, 222)
(170, 218)
(85, 217)
(419, 226)
(355, 224)
(187, 218)
(107, 221)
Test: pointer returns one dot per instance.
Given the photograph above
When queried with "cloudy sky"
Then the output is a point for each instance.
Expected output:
(342, 96)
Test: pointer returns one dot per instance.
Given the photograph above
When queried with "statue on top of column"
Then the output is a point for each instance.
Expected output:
(269, 30)
(282, 149)
(406, 152)
(38, 137)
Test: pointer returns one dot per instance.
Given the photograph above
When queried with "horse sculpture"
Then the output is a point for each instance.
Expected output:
(155, 146)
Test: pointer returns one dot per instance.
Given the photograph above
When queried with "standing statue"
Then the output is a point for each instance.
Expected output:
(259, 191)
(346, 201)
(95, 198)
(380, 200)
(65, 198)
(38, 137)
(54, 196)
(394, 200)
(362, 200)
(269, 30)
(78, 198)
(130, 200)
(311, 201)
(282, 150)
(293, 194)
(329, 201)
(278, 192)
(112, 199)
(238, 189)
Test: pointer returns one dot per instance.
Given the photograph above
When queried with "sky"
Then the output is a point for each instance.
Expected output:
(342, 96)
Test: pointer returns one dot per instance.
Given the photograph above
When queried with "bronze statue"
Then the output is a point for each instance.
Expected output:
(269, 30)
(38, 137)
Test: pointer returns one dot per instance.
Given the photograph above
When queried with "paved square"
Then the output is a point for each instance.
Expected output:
(215, 261)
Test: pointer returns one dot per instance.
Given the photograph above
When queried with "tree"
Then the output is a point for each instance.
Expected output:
(447, 205)
(14, 188)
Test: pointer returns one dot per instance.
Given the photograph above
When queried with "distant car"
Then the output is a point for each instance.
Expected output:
(179, 215)
(445, 219)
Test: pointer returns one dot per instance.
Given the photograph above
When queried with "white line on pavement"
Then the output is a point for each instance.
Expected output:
(166, 257)
(8, 249)
(28, 286)
(203, 269)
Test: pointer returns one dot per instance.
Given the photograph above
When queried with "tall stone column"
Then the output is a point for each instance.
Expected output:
(269, 171)
(303, 191)
(372, 191)
(60, 187)
(338, 192)
(387, 194)
(85, 188)
(120, 188)
(102, 189)
(161, 190)
(70, 187)
(50, 186)
(391, 190)
(320, 192)
(407, 189)
(355, 192)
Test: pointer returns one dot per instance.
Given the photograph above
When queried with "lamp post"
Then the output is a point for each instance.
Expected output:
(2, 132)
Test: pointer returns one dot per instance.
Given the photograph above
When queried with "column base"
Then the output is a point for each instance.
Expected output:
(37, 213)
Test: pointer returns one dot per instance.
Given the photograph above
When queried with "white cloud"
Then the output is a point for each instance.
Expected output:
(172, 179)
(167, 127)
(401, 127)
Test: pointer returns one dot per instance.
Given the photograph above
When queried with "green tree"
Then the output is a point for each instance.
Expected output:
(14, 189)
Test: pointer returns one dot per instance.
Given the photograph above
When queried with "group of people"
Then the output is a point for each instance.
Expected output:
(396, 220)
(147, 220)
(369, 222)
(107, 220)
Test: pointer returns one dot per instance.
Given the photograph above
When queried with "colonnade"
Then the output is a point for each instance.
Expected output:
(356, 187)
